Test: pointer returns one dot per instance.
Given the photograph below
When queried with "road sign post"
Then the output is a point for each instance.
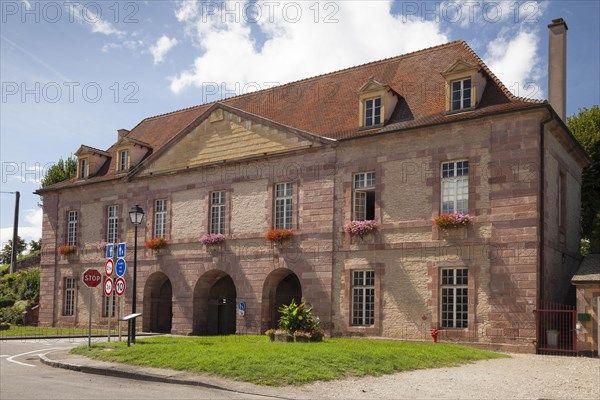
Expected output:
(91, 278)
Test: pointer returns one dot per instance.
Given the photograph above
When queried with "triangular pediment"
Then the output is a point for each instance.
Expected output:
(460, 66)
(372, 85)
(87, 150)
(225, 134)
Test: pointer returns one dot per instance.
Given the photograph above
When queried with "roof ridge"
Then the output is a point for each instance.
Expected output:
(367, 64)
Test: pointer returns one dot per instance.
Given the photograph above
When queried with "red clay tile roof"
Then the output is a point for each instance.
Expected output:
(327, 105)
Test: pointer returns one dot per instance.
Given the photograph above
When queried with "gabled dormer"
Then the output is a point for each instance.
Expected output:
(89, 161)
(128, 152)
(376, 103)
(464, 86)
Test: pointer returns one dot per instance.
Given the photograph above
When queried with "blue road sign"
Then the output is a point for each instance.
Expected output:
(110, 250)
(120, 267)
(121, 250)
(242, 306)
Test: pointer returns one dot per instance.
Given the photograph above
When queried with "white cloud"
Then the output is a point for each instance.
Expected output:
(161, 48)
(515, 60)
(29, 229)
(298, 42)
(89, 17)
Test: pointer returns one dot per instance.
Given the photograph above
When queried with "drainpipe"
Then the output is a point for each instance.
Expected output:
(541, 195)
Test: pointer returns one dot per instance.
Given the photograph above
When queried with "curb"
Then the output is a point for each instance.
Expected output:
(82, 336)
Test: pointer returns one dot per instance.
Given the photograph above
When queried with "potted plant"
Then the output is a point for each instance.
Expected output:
(156, 244)
(211, 239)
(67, 249)
(452, 220)
(296, 324)
(360, 228)
(279, 236)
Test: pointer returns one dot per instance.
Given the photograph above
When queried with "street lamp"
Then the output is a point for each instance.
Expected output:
(136, 215)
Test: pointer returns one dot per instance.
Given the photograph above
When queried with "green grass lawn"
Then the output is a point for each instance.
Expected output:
(257, 360)
(46, 331)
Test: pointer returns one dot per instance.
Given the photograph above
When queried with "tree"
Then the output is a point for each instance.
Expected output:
(60, 171)
(5, 256)
(585, 126)
(35, 245)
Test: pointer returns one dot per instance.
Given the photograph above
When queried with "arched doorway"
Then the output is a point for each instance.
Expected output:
(158, 304)
(215, 299)
(281, 286)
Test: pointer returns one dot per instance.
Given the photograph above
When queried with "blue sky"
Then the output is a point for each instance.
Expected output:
(74, 72)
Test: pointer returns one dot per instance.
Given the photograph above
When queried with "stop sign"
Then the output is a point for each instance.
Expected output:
(92, 278)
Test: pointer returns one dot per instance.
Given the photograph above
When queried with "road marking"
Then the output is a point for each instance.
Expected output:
(40, 351)
(4, 355)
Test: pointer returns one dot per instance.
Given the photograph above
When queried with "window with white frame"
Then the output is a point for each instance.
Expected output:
(455, 187)
(160, 218)
(217, 212)
(283, 206)
(461, 94)
(72, 228)
(109, 305)
(123, 160)
(363, 297)
(112, 229)
(83, 168)
(363, 196)
(69, 297)
(454, 297)
(373, 111)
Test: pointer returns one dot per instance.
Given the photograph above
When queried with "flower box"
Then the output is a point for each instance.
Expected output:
(452, 220)
(156, 243)
(279, 236)
(211, 239)
(361, 228)
(66, 249)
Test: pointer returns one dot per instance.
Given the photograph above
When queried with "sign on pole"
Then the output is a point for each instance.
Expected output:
(242, 308)
(110, 250)
(91, 278)
(120, 267)
(121, 250)
(120, 286)
(108, 286)
(110, 266)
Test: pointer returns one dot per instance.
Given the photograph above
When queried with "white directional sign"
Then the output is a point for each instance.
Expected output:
(108, 286)
(110, 250)
(120, 286)
(110, 266)
(121, 250)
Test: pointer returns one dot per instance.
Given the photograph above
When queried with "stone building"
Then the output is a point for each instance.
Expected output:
(398, 141)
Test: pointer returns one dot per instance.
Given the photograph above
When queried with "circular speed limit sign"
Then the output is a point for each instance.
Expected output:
(110, 266)
(120, 286)
(108, 286)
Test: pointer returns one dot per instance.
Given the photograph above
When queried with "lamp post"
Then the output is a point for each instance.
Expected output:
(136, 215)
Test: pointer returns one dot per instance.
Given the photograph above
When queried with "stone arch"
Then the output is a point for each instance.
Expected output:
(214, 311)
(158, 303)
(280, 287)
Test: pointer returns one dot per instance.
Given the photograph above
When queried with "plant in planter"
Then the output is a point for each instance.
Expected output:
(157, 243)
(452, 220)
(67, 249)
(211, 239)
(360, 228)
(279, 236)
(296, 324)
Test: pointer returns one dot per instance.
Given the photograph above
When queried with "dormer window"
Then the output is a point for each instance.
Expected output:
(461, 94)
(83, 168)
(373, 111)
(123, 160)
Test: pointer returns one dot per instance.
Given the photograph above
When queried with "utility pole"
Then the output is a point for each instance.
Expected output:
(13, 258)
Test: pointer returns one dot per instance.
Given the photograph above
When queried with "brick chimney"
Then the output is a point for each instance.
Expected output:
(557, 66)
(122, 132)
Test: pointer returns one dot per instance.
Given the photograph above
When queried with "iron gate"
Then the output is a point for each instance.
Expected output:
(556, 329)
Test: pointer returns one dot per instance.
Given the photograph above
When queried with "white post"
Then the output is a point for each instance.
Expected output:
(109, 313)
(90, 320)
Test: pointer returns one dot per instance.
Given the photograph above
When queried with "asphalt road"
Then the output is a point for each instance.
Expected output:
(23, 376)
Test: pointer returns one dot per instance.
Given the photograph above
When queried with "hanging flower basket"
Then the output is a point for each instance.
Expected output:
(211, 239)
(453, 220)
(279, 236)
(156, 243)
(361, 228)
(66, 249)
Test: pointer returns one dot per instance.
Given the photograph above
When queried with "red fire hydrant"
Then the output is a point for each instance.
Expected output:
(434, 335)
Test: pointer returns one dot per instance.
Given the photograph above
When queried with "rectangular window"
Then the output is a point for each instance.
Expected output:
(363, 196)
(454, 297)
(363, 297)
(461, 94)
(69, 297)
(83, 168)
(160, 218)
(112, 230)
(123, 160)
(72, 228)
(455, 187)
(283, 206)
(217, 212)
(373, 111)
(107, 306)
